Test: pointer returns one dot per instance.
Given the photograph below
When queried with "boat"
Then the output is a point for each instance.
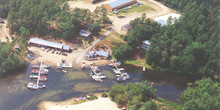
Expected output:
(41, 86)
(102, 76)
(126, 76)
(43, 71)
(97, 70)
(83, 65)
(92, 73)
(93, 66)
(64, 65)
(42, 79)
(34, 76)
(37, 66)
(32, 86)
(113, 64)
(64, 71)
(118, 71)
(97, 78)
(119, 79)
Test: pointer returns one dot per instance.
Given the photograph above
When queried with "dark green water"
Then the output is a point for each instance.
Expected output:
(15, 96)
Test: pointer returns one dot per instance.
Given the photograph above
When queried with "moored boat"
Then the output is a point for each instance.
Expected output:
(41, 86)
(37, 66)
(32, 86)
(113, 64)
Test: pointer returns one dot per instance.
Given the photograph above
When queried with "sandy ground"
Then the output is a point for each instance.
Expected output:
(53, 59)
(86, 5)
(159, 9)
(98, 104)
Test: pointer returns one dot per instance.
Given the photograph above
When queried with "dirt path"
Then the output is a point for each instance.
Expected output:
(4, 32)
(80, 55)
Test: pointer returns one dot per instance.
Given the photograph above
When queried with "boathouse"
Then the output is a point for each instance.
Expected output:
(116, 4)
(45, 43)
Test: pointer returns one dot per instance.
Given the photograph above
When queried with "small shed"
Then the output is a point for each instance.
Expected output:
(84, 33)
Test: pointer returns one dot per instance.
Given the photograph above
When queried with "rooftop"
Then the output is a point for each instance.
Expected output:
(49, 44)
(117, 3)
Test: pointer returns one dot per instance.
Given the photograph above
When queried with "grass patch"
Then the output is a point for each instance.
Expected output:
(112, 40)
(134, 8)
(167, 105)
(141, 8)
(138, 62)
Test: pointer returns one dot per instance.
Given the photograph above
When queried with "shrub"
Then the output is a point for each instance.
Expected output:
(104, 94)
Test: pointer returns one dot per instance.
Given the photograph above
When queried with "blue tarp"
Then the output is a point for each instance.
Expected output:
(117, 3)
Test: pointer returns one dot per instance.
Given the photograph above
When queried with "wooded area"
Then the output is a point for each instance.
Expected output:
(189, 46)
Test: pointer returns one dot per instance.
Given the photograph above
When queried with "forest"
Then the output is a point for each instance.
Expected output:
(11, 57)
(51, 17)
(190, 46)
(44, 18)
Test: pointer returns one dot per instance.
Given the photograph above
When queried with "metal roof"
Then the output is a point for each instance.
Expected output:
(49, 44)
(85, 33)
(117, 3)
(102, 53)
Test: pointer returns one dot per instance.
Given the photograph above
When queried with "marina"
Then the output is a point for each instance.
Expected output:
(119, 72)
(38, 73)
(96, 73)
(78, 83)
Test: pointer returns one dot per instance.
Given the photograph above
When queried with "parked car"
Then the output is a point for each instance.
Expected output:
(1, 21)
(64, 54)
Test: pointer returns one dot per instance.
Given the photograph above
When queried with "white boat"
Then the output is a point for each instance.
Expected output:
(113, 64)
(102, 76)
(37, 66)
(41, 86)
(43, 79)
(64, 71)
(97, 78)
(64, 65)
(120, 79)
(33, 76)
(32, 86)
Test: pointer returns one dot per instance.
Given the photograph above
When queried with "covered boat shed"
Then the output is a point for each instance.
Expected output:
(45, 43)
(116, 4)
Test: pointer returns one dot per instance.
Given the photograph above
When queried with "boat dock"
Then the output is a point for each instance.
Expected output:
(96, 73)
(120, 72)
(39, 69)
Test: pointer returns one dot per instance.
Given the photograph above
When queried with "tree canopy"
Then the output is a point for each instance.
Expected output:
(136, 96)
(189, 46)
(202, 95)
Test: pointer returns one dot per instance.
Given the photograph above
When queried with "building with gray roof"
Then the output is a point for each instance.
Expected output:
(116, 4)
(45, 43)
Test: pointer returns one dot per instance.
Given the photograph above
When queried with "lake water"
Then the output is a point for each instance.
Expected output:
(60, 86)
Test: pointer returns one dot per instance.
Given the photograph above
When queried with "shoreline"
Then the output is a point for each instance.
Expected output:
(106, 104)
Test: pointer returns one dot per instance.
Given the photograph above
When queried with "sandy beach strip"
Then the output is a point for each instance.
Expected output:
(97, 104)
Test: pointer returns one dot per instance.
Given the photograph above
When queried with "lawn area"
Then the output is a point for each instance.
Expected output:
(112, 40)
(138, 62)
(141, 8)
(134, 8)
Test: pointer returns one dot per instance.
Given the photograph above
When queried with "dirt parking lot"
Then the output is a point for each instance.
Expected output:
(158, 10)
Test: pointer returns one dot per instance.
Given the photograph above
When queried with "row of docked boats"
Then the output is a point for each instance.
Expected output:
(39, 72)
(96, 73)
(119, 72)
